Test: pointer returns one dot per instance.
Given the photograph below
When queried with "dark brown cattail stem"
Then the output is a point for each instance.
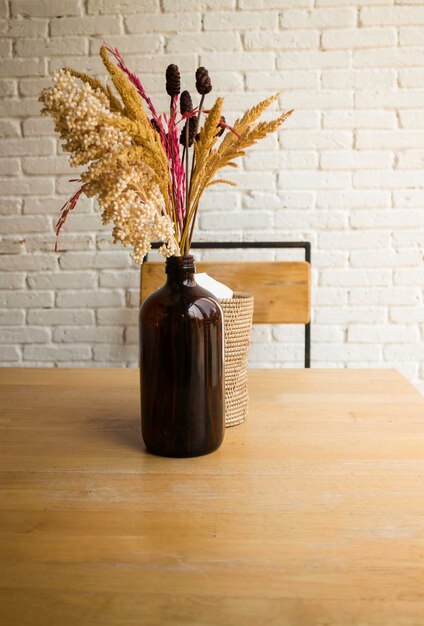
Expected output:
(203, 86)
(171, 108)
(193, 162)
(198, 116)
(195, 133)
(190, 237)
(193, 221)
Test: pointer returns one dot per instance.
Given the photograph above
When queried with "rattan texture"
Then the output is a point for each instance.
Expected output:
(238, 314)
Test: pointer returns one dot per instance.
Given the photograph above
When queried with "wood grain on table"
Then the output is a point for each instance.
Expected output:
(311, 513)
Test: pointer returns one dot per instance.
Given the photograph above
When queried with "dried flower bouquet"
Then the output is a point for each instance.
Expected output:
(148, 170)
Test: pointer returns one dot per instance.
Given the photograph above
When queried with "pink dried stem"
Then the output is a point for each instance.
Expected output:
(230, 128)
(186, 169)
(66, 209)
(176, 168)
(187, 115)
(224, 125)
(180, 175)
(135, 81)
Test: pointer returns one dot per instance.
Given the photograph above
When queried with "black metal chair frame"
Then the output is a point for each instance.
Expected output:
(226, 245)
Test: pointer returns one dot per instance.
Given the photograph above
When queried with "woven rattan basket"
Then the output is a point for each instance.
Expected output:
(238, 313)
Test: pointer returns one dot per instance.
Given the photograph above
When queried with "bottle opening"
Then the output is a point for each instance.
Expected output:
(180, 264)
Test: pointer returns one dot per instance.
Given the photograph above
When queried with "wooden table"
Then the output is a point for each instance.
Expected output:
(311, 513)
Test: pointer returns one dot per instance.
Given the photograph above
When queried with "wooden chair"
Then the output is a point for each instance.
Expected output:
(282, 289)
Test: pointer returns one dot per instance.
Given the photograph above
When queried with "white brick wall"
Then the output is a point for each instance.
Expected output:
(346, 172)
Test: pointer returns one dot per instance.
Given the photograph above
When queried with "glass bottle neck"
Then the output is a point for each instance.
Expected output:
(180, 269)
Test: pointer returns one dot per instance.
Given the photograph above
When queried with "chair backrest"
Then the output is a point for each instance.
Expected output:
(282, 289)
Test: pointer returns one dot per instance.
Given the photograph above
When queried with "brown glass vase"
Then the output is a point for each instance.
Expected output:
(181, 366)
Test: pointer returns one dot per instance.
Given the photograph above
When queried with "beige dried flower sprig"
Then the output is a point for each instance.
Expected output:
(144, 186)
